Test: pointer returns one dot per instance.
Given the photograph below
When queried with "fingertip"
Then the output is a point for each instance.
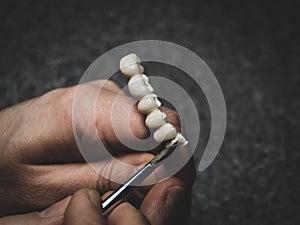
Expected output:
(92, 195)
(172, 117)
(167, 202)
(129, 215)
(57, 209)
(84, 208)
(95, 198)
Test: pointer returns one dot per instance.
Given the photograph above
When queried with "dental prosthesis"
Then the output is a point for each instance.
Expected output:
(140, 88)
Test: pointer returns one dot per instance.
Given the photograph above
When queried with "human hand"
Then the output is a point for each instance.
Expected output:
(41, 164)
(84, 207)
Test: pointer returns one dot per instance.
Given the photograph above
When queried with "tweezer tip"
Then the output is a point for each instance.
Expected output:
(169, 148)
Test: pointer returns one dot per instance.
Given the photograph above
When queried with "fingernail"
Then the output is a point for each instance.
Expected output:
(94, 198)
(57, 209)
(176, 196)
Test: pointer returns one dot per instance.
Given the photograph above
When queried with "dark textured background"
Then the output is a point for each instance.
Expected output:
(253, 49)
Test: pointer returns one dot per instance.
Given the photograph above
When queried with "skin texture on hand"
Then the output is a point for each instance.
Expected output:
(84, 207)
(40, 163)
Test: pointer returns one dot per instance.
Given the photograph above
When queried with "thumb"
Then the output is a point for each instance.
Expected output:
(84, 208)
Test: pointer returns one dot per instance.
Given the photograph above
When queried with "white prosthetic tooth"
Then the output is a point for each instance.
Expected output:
(146, 79)
(165, 133)
(156, 119)
(139, 86)
(180, 139)
(148, 103)
(131, 65)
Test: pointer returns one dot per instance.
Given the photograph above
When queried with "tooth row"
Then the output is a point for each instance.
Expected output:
(139, 87)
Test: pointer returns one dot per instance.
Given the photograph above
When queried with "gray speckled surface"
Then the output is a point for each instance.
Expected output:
(253, 49)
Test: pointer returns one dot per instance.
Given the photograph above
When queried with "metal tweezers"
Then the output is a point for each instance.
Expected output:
(120, 194)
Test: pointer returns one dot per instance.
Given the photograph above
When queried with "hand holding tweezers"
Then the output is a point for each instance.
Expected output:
(120, 194)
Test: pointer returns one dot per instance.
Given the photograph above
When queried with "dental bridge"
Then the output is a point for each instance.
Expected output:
(140, 88)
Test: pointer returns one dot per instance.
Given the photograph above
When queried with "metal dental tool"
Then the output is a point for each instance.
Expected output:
(120, 194)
